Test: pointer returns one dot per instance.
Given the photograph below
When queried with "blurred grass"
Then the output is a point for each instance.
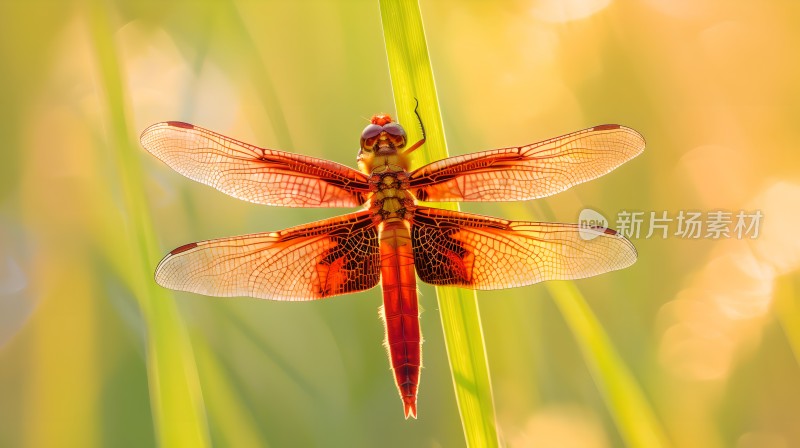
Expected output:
(788, 311)
(627, 404)
(176, 399)
(412, 78)
(79, 364)
(224, 403)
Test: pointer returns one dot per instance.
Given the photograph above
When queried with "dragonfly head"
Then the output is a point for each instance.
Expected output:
(382, 137)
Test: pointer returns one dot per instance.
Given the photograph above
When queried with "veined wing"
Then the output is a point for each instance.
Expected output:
(528, 172)
(479, 252)
(254, 174)
(313, 261)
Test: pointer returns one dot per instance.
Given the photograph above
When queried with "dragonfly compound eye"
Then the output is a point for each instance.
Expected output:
(371, 131)
(395, 129)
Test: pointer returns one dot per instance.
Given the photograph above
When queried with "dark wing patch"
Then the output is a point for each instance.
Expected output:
(480, 252)
(313, 261)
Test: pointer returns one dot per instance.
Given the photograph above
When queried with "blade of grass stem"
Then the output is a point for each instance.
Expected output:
(412, 77)
(257, 68)
(626, 402)
(175, 394)
(226, 404)
(635, 419)
(788, 311)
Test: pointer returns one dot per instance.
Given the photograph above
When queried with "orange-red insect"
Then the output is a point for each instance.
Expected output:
(392, 239)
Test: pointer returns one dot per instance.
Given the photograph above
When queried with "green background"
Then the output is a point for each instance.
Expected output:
(709, 328)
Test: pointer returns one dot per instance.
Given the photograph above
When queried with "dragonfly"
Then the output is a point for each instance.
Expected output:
(393, 238)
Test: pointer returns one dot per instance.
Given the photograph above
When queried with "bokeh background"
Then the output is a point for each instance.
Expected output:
(709, 328)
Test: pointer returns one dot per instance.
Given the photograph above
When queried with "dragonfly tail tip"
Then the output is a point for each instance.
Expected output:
(410, 405)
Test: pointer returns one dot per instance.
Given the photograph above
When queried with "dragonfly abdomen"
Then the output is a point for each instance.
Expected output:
(401, 311)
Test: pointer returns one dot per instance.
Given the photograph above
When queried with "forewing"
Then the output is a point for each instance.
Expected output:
(479, 252)
(322, 259)
(528, 172)
(254, 174)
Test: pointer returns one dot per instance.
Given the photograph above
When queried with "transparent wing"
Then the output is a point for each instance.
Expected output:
(322, 259)
(254, 174)
(528, 172)
(480, 252)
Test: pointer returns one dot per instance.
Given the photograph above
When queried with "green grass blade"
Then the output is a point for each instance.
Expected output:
(628, 406)
(632, 414)
(787, 310)
(225, 405)
(412, 77)
(175, 394)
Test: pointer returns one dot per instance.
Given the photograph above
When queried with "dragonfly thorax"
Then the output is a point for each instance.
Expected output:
(391, 199)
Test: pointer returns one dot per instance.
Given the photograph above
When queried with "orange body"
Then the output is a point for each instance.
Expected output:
(401, 312)
(391, 205)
